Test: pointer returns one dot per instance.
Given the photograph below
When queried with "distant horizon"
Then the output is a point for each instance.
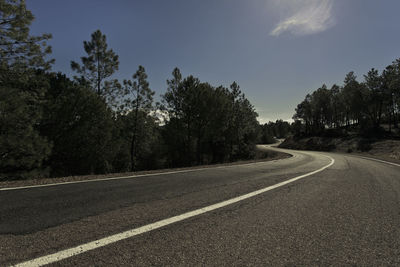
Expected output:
(277, 51)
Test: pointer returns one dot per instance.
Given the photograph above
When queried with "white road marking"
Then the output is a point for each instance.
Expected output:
(67, 253)
(379, 160)
(130, 177)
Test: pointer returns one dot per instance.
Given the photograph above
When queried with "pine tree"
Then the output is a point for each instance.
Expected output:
(139, 105)
(18, 48)
(80, 126)
(99, 64)
(373, 82)
(22, 87)
(22, 150)
(172, 99)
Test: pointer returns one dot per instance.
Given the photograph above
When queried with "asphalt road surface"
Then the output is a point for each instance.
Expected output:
(340, 210)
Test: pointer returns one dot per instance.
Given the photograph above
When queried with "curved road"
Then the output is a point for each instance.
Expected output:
(341, 210)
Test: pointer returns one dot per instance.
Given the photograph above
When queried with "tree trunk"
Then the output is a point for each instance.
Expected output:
(189, 141)
(133, 159)
(134, 138)
(379, 114)
(98, 76)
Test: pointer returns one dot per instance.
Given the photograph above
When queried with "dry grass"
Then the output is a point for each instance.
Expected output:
(385, 149)
(382, 149)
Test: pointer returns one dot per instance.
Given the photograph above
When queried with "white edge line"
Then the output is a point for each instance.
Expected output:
(379, 160)
(129, 177)
(67, 253)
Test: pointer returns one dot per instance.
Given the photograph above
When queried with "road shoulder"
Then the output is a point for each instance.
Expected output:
(84, 178)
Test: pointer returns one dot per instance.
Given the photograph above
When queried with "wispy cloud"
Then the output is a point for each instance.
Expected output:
(313, 16)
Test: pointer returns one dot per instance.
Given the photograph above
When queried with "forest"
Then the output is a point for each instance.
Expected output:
(52, 125)
(369, 107)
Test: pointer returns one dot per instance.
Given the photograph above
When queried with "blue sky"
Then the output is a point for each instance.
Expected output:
(277, 50)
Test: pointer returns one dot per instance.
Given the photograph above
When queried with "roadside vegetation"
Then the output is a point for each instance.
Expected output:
(358, 116)
(52, 125)
(370, 107)
(272, 131)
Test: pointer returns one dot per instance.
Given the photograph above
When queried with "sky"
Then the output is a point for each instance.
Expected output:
(276, 50)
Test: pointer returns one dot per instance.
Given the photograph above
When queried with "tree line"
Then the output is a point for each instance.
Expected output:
(370, 107)
(53, 125)
(271, 131)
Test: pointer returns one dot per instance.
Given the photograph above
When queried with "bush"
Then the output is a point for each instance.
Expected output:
(364, 145)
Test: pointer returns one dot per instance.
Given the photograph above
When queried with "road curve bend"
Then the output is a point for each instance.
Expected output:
(342, 213)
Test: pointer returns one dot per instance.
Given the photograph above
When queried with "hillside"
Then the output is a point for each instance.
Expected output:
(388, 149)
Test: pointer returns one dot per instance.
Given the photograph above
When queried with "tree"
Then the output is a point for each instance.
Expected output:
(180, 102)
(304, 113)
(80, 127)
(321, 109)
(214, 128)
(139, 104)
(337, 105)
(173, 131)
(173, 98)
(207, 124)
(364, 106)
(22, 87)
(297, 127)
(373, 82)
(243, 125)
(22, 149)
(278, 129)
(353, 99)
(395, 90)
(391, 91)
(98, 66)
(18, 48)
(281, 128)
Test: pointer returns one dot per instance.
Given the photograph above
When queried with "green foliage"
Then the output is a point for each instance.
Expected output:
(79, 125)
(148, 149)
(22, 150)
(275, 130)
(51, 125)
(207, 124)
(297, 128)
(98, 66)
(18, 49)
(361, 106)
(137, 119)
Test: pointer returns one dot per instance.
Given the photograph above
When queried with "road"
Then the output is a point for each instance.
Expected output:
(339, 210)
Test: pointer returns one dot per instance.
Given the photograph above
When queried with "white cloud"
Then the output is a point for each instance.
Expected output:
(306, 17)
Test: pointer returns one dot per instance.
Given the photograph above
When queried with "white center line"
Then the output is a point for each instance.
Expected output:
(67, 253)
